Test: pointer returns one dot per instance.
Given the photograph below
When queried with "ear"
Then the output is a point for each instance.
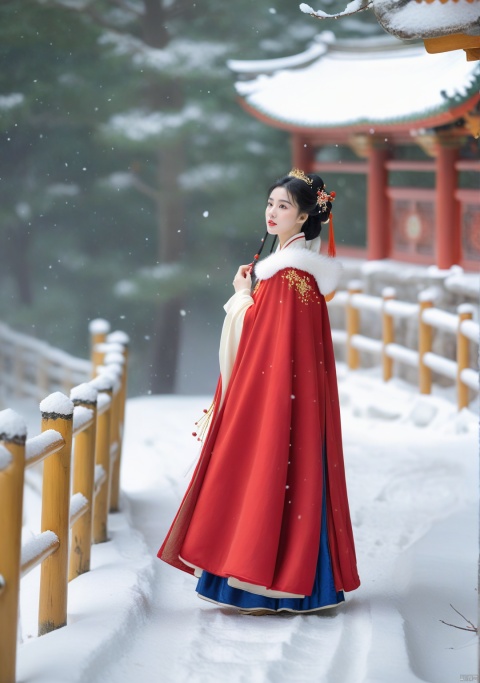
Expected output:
(302, 217)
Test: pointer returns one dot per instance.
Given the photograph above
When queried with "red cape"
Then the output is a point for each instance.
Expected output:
(253, 507)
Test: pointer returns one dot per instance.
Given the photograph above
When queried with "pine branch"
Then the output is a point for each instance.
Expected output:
(472, 628)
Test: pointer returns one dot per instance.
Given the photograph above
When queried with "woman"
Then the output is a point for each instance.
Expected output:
(265, 522)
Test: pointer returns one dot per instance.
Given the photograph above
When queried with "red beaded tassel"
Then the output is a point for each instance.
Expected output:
(203, 422)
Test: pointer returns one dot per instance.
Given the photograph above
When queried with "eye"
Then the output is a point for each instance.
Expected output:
(283, 206)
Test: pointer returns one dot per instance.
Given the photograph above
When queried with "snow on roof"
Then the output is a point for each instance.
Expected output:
(359, 82)
(12, 425)
(428, 19)
(263, 65)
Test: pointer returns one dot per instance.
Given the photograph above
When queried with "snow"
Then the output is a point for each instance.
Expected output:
(423, 20)
(315, 50)
(12, 425)
(430, 294)
(114, 357)
(400, 309)
(57, 403)
(365, 302)
(100, 474)
(77, 503)
(37, 545)
(107, 346)
(353, 6)
(470, 378)
(81, 417)
(471, 330)
(37, 444)
(118, 337)
(402, 354)
(389, 292)
(99, 326)
(104, 401)
(85, 393)
(384, 98)
(11, 101)
(412, 475)
(179, 58)
(440, 319)
(468, 284)
(5, 458)
(414, 19)
(103, 383)
(139, 124)
(443, 366)
(362, 343)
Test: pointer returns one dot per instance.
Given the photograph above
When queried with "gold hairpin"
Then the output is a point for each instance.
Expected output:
(297, 173)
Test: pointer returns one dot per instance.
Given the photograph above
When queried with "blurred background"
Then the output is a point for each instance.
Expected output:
(132, 184)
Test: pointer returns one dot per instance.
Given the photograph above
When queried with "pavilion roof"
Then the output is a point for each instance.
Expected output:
(345, 83)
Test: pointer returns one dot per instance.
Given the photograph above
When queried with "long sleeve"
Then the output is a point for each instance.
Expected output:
(235, 308)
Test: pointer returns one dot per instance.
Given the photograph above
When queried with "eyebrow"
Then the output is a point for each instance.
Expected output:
(281, 200)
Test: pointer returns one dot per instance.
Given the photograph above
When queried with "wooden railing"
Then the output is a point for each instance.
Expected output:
(92, 419)
(429, 318)
(32, 368)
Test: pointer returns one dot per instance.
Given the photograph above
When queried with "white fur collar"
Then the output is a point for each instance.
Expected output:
(325, 270)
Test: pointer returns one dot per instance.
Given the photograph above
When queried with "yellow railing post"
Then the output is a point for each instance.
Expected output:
(57, 413)
(98, 329)
(424, 345)
(353, 324)
(116, 363)
(12, 466)
(83, 481)
(388, 334)
(103, 384)
(123, 339)
(465, 312)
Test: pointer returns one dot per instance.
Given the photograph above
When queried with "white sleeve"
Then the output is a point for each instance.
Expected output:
(236, 307)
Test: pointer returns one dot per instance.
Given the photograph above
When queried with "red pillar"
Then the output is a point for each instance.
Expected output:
(447, 212)
(303, 153)
(378, 219)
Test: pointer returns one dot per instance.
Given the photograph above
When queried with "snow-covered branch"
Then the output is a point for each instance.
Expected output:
(352, 8)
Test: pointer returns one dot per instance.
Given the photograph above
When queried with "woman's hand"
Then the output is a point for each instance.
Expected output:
(243, 279)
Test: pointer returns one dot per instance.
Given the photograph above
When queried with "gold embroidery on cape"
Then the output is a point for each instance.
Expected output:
(304, 289)
(257, 285)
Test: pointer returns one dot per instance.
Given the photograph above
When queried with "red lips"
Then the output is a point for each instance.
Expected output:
(271, 223)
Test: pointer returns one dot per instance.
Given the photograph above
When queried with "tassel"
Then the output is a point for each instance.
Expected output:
(331, 238)
(203, 422)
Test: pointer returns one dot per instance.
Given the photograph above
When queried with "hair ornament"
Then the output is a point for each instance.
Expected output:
(323, 197)
(297, 173)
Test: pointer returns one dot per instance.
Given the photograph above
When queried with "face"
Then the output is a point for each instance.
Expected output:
(282, 215)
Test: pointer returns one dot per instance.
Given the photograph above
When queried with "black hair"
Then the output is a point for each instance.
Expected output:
(304, 196)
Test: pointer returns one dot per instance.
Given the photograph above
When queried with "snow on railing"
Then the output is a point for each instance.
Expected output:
(93, 416)
(32, 368)
(422, 358)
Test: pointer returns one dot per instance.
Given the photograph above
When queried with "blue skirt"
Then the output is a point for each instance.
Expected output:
(216, 588)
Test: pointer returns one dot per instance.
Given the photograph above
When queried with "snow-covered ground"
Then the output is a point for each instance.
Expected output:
(412, 473)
